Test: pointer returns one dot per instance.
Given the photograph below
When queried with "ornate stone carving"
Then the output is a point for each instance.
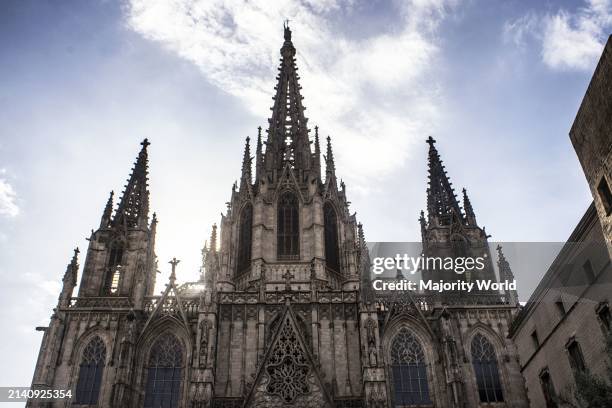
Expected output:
(204, 334)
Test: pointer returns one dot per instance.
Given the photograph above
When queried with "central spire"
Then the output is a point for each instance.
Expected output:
(288, 133)
(441, 199)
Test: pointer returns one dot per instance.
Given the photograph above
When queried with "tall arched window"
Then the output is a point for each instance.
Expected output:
(485, 367)
(330, 221)
(288, 227)
(244, 238)
(90, 372)
(164, 373)
(408, 369)
(113, 268)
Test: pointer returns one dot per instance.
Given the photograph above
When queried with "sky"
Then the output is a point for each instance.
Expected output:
(496, 82)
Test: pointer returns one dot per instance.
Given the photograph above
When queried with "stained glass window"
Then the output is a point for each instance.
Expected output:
(331, 237)
(486, 369)
(164, 373)
(409, 372)
(90, 372)
(244, 238)
(288, 227)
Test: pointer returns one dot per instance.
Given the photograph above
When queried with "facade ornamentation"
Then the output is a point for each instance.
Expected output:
(283, 313)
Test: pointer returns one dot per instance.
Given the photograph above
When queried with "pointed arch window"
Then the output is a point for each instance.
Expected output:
(408, 371)
(330, 222)
(486, 369)
(288, 227)
(113, 269)
(164, 373)
(90, 372)
(245, 238)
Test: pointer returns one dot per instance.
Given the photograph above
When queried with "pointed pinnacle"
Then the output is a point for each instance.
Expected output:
(213, 238)
(246, 160)
(133, 208)
(108, 211)
(329, 158)
(75, 257)
(72, 268)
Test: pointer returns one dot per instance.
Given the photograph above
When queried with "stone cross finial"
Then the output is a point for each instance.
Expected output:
(287, 276)
(173, 262)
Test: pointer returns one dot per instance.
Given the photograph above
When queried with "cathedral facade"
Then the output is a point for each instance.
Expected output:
(284, 314)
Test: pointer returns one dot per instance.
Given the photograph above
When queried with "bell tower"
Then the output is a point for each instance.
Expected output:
(448, 230)
(120, 259)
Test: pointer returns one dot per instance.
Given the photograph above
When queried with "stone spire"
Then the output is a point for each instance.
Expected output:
(133, 209)
(330, 166)
(470, 217)
(317, 153)
(71, 271)
(213, 239)
(246, 178)
(505, 274)
(258, 156)
(70, 280)
(204, 255)
(441, 199)
(108, 211)
(287, 133)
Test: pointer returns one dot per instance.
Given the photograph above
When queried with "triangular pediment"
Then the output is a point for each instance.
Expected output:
(288, 181)
(402, 305)
(288, 376)
(169, 304)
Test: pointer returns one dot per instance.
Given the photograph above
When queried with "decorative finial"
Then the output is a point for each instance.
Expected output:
(431, 141)
(145, 143)
(173, 262)
(287, 30)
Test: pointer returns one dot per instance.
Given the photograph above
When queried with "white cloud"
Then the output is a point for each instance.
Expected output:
(519, 30)
(371, 95)
(569, 40)
(8, 198)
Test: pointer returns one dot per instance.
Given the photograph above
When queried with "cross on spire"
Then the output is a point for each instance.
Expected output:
(173, 262)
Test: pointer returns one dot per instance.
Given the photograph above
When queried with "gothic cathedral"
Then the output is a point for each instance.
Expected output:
(283, 314)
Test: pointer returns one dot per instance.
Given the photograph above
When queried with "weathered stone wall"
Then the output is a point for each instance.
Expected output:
(566, 282)
(591, 135)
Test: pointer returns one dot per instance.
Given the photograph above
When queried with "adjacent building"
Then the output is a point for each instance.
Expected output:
(565, 325)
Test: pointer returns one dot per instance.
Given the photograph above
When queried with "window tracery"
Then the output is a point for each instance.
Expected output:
(484, 361)
(288, 366)
(164, 373)
(90, 372)
(330, 222)
(288, 227)
(409, 371)
(245, 238)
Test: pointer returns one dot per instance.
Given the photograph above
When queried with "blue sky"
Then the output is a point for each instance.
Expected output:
(497, 83)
